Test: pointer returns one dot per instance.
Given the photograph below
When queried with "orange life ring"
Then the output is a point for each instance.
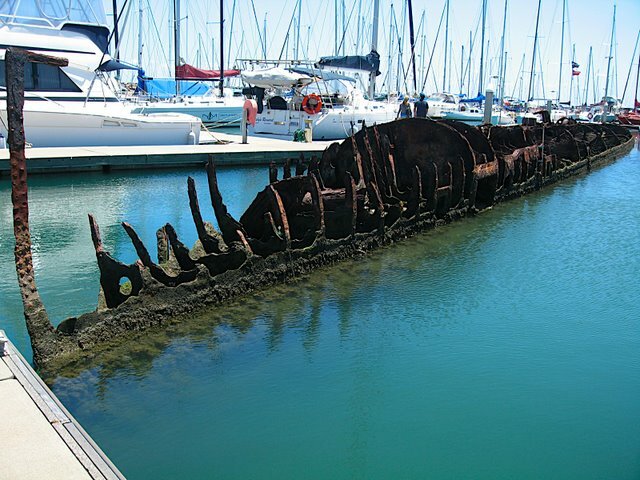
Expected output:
(312, 104)
(251, 106)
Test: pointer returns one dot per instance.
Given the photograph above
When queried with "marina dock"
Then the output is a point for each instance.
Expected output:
(40, 439)
(227, 149)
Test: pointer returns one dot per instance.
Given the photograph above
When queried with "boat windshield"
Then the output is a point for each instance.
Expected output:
(442, 97)
(330, 87)
(52, 13)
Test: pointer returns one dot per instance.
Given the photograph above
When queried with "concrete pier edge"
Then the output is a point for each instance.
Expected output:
(70, 434)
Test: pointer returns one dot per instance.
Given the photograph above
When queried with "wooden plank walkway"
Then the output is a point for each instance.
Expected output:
(39, 438)
(258, 151)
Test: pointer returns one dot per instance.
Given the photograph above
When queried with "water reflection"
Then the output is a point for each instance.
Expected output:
(66, 271)
(489, 343)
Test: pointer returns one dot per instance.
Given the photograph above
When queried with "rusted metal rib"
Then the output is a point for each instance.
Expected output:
(229, 227)
(157, 272)
(113, 271)
(210, 243)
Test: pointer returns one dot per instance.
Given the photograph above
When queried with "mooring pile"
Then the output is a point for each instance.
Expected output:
(385, 183)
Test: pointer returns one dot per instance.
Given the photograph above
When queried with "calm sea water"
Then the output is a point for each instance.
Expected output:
(504, 346)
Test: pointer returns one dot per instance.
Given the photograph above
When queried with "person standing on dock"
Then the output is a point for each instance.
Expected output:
(421, 107)
(404, 111)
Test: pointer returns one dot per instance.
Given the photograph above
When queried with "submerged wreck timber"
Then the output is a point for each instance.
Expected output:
(385, 183)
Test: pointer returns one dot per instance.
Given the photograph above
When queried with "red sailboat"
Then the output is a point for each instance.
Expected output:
(632, 117)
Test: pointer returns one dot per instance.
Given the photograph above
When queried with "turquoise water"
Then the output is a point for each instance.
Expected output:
(504, 346)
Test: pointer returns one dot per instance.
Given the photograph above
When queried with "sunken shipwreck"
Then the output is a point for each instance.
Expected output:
(385, 183)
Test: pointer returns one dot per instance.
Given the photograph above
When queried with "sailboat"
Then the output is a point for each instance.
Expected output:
(467, 111)
(324, 98)
(632, 117)
(76, 105)
(217, 108)
(327, 100)
(603, 112)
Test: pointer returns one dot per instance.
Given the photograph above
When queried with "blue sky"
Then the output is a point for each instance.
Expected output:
(588, 25)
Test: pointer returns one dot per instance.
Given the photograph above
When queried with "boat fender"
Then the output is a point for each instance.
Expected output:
(251, 106)
(312, 104)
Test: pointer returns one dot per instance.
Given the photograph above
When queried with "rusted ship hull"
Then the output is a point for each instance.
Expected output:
(384, 184)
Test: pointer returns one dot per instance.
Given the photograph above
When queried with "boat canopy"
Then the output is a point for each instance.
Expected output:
(325, 75)
(478, 99)
(275, 77)
(166, 87)
(443, 97)
(54, 14)
(368, 63)
(111, 65)
(189, 72)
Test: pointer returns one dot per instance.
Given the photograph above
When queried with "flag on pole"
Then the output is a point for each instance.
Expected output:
(574, 65)
(575, 72)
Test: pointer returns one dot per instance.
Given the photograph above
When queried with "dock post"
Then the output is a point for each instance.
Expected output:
(244, 126)
(308, 130)
(488, 106)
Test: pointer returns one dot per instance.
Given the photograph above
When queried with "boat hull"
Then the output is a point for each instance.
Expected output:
(90, 127)
(330, 124)
(475, 119)
(214, 114)
(630, 119)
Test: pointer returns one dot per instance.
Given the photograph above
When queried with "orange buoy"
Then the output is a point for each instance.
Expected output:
(312, 104)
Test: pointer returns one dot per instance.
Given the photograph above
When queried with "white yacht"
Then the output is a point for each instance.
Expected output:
(332, 106)
(473, 115)
(76, 105)
(441, 103)
(213, 110)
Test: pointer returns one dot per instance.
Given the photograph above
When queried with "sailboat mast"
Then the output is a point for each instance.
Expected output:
(140, 21)
(635, 98)
(586, 88)
(221, 48)
(335, 28)
(176, 38)
(484, 21)
(501, 68)
(450, 63)
(502, 80)
(344, 26)
(533, 57)
(564, 7)
(613, 28)
(116, 37)
(412, 41)
(298, 33)
(633, 55)
(446, 45)
(423, 43)
(461, 68)
(573, 59)
(233, 15)
(374, 46)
